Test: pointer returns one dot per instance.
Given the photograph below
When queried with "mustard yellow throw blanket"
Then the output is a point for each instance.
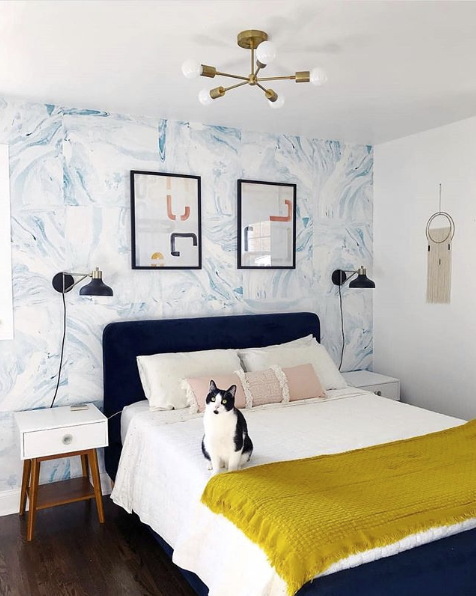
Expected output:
(310, 513)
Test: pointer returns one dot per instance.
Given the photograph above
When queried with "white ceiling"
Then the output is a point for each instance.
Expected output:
(394, 68)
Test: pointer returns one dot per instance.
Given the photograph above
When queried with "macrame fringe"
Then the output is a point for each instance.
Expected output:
(191, 399)
(283, 382)
(246, 388)
(438, 290)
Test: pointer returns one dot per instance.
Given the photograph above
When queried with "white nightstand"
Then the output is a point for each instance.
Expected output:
(53, 433)
(374, 382)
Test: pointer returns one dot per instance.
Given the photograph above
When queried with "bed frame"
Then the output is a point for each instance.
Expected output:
(444, 567)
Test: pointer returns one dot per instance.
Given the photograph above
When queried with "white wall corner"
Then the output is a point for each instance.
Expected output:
(6, 296)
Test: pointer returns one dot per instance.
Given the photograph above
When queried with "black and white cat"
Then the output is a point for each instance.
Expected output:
(226, 443)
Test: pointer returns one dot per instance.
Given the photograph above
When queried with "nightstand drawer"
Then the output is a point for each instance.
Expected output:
(389, 390)
(64, 440)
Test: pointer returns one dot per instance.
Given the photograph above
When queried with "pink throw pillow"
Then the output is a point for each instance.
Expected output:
(201, 385)
(303, 382)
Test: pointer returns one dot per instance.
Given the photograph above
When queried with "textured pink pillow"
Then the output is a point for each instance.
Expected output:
(201, 385)
(303, 382)
(264, 386)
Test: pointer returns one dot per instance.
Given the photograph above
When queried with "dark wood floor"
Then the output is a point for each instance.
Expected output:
(73, 555)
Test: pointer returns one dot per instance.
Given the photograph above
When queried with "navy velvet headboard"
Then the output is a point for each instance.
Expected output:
(122, 342)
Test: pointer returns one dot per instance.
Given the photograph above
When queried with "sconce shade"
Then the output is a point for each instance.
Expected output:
(339, 277)
(96, 287)
(362, 281)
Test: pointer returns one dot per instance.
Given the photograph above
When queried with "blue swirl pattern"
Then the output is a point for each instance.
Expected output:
(70, 199)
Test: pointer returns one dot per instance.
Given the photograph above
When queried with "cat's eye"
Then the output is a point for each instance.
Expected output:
(212, 399)
(223, 401)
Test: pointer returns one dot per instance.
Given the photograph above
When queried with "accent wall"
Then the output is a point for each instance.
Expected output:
(70, 210)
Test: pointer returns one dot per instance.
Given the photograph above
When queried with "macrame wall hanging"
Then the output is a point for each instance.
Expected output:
(438, 289)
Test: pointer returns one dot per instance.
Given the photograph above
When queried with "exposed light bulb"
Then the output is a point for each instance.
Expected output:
(205, 98)
(191, 69)
(318, 76)
(266, 52)
(279, 103)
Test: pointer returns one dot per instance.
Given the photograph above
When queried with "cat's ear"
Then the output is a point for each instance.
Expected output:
(232, 390)
(213, 387)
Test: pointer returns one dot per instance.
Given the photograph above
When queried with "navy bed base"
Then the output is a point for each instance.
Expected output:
(446, 567)
(442, 568)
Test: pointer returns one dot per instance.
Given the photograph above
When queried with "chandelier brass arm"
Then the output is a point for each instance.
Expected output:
(257, 42)
(231, 76)
(236, 86)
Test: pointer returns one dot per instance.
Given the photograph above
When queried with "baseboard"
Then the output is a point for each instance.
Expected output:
(10, 499)
(106, 484)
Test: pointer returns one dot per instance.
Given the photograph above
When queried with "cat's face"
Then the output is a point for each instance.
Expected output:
(220, 401)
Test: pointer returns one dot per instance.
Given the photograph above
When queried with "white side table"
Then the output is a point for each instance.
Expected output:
(374, 382)
(51, 434)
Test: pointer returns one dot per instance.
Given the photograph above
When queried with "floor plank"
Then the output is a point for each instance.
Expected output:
(72, 554)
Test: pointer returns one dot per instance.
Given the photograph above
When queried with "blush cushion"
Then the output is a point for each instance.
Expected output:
(273, 385)
(303, 382)
(197, 390)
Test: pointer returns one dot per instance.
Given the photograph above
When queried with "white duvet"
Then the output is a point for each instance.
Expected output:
(162, 474)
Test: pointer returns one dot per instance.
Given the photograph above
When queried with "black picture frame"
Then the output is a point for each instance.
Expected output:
(162, 230)
(265, 259)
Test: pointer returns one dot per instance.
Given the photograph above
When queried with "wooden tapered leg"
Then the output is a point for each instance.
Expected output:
(24, 485)
(84, 465)
(93, 464)
(34, 482)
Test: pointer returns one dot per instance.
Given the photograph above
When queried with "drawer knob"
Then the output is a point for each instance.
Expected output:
(67, 439)
(378, 392)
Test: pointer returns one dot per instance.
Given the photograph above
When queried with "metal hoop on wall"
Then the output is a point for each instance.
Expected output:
(451, 231)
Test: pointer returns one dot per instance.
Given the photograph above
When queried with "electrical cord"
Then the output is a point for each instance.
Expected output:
(62, 350)
(342, 327)
(62, 355)
(115, 414)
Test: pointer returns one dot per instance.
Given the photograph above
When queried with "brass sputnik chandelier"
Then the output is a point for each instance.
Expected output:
(252, 40)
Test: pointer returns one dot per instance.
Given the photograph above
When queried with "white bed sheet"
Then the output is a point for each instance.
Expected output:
(162, 475)
(128, 414)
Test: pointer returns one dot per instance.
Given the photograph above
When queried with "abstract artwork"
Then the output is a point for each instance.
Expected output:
(166, 221)
(266, 225)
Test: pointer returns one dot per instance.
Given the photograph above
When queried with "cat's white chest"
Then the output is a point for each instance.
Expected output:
(220, 433)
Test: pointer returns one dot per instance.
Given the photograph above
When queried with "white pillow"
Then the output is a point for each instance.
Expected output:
(286, 357)
(162, 374)
(302, 341)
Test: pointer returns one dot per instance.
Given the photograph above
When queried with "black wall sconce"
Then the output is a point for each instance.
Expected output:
(64, 282)
(339, 278)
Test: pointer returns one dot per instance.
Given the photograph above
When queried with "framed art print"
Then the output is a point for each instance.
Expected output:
(166, 221)
(266, 225)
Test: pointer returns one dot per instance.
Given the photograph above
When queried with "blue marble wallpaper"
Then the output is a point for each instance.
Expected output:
(70, 211)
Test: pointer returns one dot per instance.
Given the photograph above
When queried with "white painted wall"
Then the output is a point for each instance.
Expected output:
(6, 304)
(430, 347)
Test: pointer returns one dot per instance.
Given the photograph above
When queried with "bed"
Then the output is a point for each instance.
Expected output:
(443, 566)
